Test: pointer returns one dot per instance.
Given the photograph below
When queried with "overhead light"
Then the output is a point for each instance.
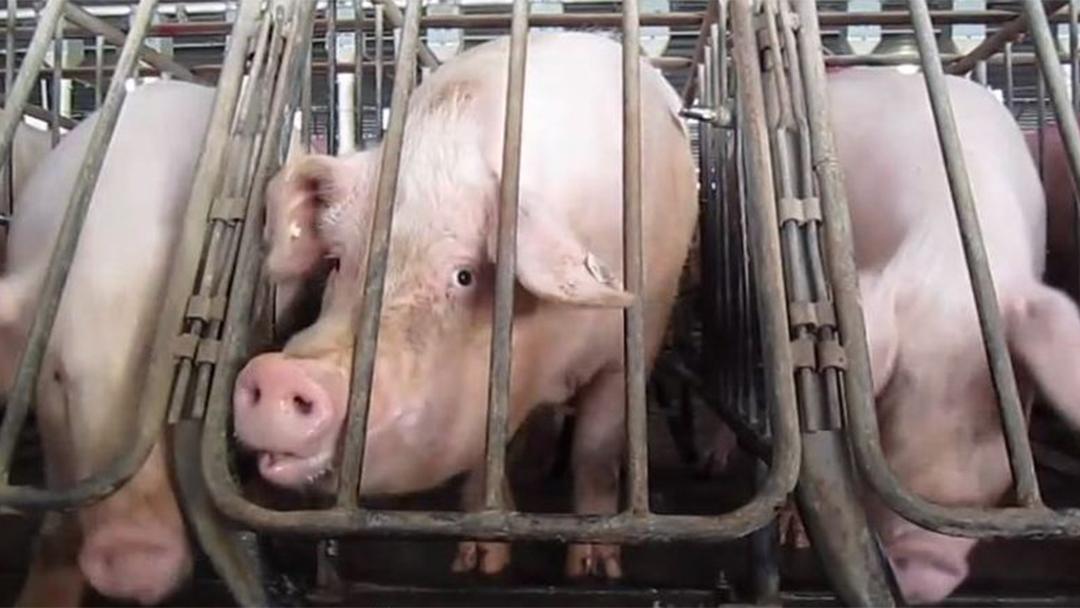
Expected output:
(907, 69)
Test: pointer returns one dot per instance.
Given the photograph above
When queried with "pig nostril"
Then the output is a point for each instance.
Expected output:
(303, 405)
(256, 395)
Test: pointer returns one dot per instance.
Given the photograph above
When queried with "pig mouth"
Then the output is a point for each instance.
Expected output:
(289, 469)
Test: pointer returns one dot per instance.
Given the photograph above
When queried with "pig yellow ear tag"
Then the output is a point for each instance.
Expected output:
(294, 230)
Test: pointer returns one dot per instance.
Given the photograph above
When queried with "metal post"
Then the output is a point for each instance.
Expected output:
(997, 350)
(331, 78)
(379, 248)
(358, 74)
(103, 29)
(1074, 58)
(54, 88)
(1010, 86)
(503, 314)
(99, 64)
(380, 41)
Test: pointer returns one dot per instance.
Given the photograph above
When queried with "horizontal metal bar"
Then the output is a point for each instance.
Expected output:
(394, 16)
(42, 114)
(113, 35)
(996, 41)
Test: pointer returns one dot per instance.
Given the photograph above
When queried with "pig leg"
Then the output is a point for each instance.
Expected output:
(597, 451)
(792, 529)
(54, 578)
(488, 558)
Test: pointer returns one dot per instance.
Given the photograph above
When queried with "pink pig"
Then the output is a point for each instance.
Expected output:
(428, 411)
(936, 406)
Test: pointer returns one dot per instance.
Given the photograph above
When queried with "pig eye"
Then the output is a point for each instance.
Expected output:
(463, 277)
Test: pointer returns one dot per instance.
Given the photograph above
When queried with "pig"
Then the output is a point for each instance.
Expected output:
(28, 149)
(132, 545)
(428, 408)
(937, 411)
(1062, 261)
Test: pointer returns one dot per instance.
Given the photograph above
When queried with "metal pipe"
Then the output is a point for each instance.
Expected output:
(992, 44)
(503, 314)
(393, 13)
(358, 75)
(637, 433)
(1010, 86)
(101, 28)
(331, 78)
(9, 57)
(380, 42)
(54, 85)
(1074, 57)
(707, 20)
(42, 114)
(375, 275)
(22, 392)
(307, 127)
(997, 349)
(99, 67)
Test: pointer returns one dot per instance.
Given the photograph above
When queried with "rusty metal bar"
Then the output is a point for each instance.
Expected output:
(375, 275)
(99, 69)
(331, 78)
(22, 392)
(18, 95)
(55, 84)
(104, 29)
(637, 433)
(992, 44)
(997, 350)
(380, 42)
(42, 114)
(358, 75)
(393, 13)
(503, 314)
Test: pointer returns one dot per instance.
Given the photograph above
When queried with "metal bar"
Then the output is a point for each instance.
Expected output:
(997, 350)
(99, 67)
(380, 42)
(22, 392)
(9, 57)
(54, 88)
(637, 466)
(992, 44)
(42, 114)
(1074, 58)
(19, 93)
(306, 124)
(1010, 85)
(707, 20)
(101, 28)
(331, 78)
(503, 314)
(375, 275)
(393, 13)
(358, 75)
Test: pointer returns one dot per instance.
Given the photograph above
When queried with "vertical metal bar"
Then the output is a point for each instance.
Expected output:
(28, 72)
(1010, 86)
(54, 89)
(306, 126)
(1040, 118)
(99, 65)
(358, 73)
(380, 41)
(9, 57)
(22, 392)
(633, 270)
(331, 78)
(379, 248)
(503, 315)
(1074, 58)
(997, 350)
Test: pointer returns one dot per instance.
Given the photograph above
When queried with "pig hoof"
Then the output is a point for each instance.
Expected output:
(792, 531)
(488, 559)
(593, 561)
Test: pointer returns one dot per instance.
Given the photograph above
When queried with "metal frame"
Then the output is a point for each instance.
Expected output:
(636, 524)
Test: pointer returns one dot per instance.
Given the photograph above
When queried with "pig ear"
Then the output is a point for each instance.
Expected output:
(553, 265)
(1043, 331)
(296, 199)
(882, 337)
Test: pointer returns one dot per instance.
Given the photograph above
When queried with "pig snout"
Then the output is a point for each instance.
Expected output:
(928, 566)
(290, 411)
(136, 560)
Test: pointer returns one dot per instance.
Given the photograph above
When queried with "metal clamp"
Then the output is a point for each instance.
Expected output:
(799, 210)
(205, 308)
(227, 209)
